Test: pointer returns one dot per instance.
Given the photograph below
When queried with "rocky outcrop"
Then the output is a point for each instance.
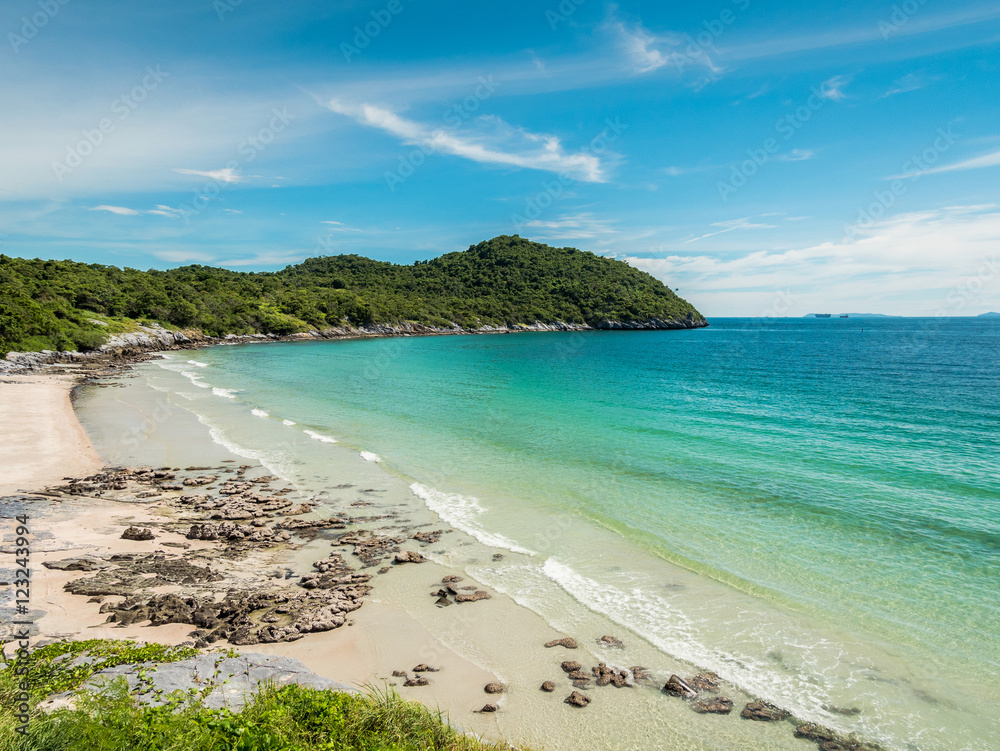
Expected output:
(576, 699)
(714, 705)
(761, 711)
(567, 641)
(493, 688)
(140, 535)
(676, 686)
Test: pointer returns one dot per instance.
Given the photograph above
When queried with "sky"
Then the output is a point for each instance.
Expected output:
(763, 158)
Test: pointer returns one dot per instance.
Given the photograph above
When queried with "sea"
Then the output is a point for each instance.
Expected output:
(808, 507)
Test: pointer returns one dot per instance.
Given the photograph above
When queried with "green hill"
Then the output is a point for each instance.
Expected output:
(64, 305)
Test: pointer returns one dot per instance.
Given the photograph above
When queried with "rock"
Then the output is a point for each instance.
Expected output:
(409, 556)
(493, 688)
(422, 668)
(639, 673)
(567, 641)
(764, 712)
(578, 675)
(675, 686)
(418, 680)
(705, 682)
(489, 708)
(134, 533)
(548, 687)
(451, 579)
(475, 596)
(714, 705)
(576, 699)
(498, 556)
(845, 711)
(813, 732)
(610, 641)
(581, 683)
(400, 674)
(569, 666)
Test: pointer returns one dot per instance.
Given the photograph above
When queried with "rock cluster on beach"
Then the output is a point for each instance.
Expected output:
(242, 518)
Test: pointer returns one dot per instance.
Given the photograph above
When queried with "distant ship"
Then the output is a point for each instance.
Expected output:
(845, 316)
(824, 315)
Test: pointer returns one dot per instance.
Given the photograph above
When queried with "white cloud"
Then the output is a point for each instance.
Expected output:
(339, 226)
(938, 262)
(583, 226)
(911, 82)
(730, 225)
(647, 52)
(167, 211)
(795, 155)
(980, 162)
(120, 210)
(267, 259)
(833, 88)
(224, 175)
(505, 145)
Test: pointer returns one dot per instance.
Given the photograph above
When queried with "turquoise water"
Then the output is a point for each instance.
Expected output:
(809, 507)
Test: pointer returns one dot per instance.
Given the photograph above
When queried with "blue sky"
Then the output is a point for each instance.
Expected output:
(770, 158)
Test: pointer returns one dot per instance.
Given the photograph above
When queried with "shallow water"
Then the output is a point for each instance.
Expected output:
(809, 508)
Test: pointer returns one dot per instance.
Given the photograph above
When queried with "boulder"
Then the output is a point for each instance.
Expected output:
(418, 680)
(705, 682)
(134, 533)
(489, 708)
(474, 597)
(714, 705)
(676, 686)
(424, 668)
(569, 666)
(764, 712)
(576, 699)
(611, 641)
(408, 556)
(548, 687)
(493, 688)
(567, 641)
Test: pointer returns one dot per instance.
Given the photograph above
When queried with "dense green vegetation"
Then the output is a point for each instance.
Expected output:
(63, 305)
(291, 718)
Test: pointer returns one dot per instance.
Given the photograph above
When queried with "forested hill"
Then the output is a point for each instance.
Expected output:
(63, 305)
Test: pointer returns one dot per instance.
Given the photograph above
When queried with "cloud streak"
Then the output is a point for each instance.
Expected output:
(508, 146)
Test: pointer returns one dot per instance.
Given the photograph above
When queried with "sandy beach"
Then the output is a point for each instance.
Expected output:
(41, 437)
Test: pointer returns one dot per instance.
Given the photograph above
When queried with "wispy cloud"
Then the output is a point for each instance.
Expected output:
(730, 225)
(979, 162)
(120, 210)
(911, 82)
(908, 264)
(833, 88)
(795, 155)
(224, 175)
(505, 144)
(647, 52)
(583, 226)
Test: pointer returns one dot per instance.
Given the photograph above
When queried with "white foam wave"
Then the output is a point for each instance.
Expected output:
(258, 412)
(197, 364)
(276, 462)
(287, 422)
(666, 627)
(319, 436)
(225, 393)
(368, 456)
(461, 512)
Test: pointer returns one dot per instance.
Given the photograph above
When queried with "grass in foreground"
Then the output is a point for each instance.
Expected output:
(291, 718)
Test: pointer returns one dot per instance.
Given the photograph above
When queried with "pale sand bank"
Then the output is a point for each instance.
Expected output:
(41, 437)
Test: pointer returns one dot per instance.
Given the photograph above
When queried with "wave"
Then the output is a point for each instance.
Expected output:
(460, 512)
(276, 462)
(287, 422)
(802, 690)
(319, 436)
(368, 456)
(225, 393)
(197, 364)
(258, 412)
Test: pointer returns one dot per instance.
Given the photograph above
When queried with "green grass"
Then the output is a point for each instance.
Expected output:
(290, 718)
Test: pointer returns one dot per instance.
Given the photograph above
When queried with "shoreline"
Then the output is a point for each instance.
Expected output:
(384, 633)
